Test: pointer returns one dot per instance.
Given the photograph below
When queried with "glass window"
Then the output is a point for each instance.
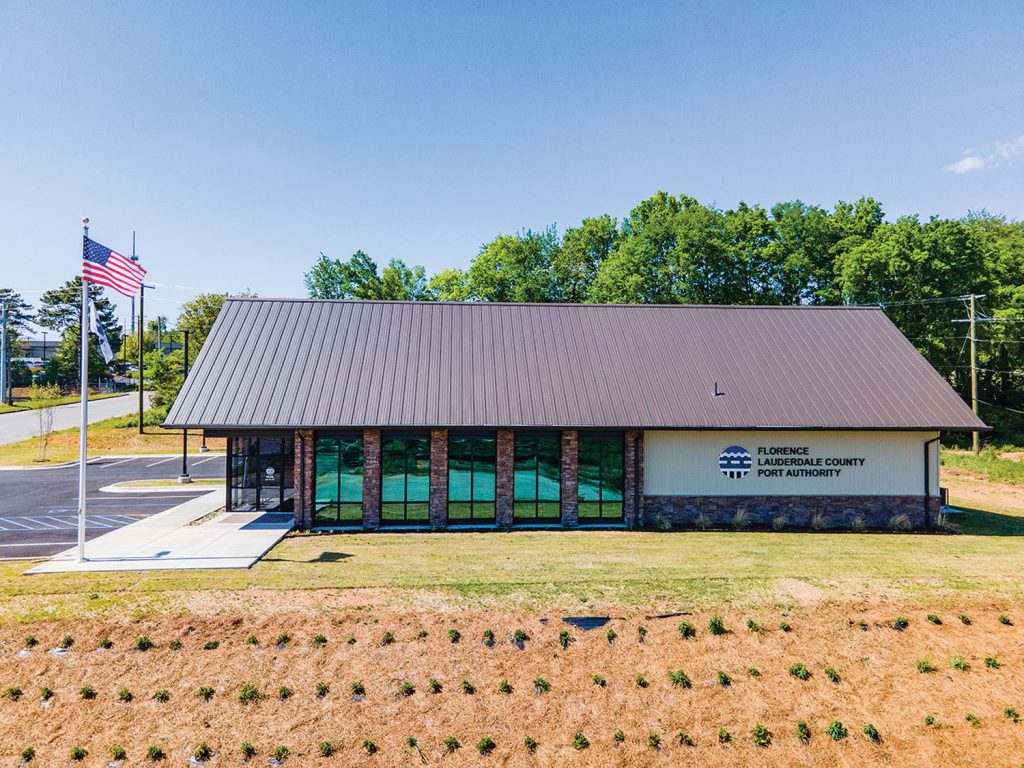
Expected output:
(537, 490)
(262, 470)
(405, 480)
(472, 463)
(338, 481)
(600, 477)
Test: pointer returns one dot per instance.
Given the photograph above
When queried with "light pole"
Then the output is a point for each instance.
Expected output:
(142, 337)
(184, 476)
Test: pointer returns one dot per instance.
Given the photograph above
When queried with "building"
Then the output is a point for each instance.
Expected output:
(391, 415)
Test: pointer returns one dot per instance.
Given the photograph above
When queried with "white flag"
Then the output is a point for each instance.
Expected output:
(95, 327)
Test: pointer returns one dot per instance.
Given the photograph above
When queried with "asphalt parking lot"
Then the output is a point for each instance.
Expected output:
(39, 507)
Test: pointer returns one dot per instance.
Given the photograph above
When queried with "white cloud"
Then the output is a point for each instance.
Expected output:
(988, 156)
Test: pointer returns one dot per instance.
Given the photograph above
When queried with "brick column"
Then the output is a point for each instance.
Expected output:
(371, 479)
(504, 481)
(438, 479)
(303, 484)
(630, 478)
(570, 486)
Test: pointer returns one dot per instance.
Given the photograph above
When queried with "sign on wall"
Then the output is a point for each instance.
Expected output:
(792, 461)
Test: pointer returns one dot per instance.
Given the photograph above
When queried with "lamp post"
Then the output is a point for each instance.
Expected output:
(142, 337)
(184, 476)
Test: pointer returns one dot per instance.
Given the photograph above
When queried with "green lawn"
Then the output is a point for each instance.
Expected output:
(28, 405)
(988, 464)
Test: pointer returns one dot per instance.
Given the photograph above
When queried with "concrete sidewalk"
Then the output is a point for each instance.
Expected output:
(171, 541)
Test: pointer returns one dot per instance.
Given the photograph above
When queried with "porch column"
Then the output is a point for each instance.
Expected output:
(371, 479)
(504, 480)
(632, 488)
(302, 479)
(570, 471)
(438, 479)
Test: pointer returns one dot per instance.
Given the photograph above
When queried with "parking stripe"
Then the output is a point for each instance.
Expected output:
(14, 522)
(162, 461)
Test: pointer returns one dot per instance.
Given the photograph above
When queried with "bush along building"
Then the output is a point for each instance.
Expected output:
(445, 416)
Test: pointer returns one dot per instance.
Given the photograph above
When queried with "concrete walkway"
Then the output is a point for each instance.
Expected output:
(170, 541)
(23, 425)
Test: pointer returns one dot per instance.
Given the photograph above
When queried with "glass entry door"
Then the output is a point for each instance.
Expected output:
(262, 470)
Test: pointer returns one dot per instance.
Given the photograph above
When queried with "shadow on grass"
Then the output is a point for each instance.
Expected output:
(980, 522)
(323, 557)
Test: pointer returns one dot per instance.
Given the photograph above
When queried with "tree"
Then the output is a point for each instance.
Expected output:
(61, 310)
(515, 268)
(45, 399)
(358, 278)
(449, 285)
(584, 248)
(197, 317)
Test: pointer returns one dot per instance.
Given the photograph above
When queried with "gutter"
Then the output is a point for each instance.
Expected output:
(927, 484)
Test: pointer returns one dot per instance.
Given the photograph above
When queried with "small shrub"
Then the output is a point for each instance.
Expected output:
(779, 523)
(124, 696)
(281, 753)
(117, 752)
(684, 739)
(520, 636)
(679, 679)
(451, 744)
(433, 685)
(350, 640)
(1011, 714)
(579, 741)
(803, 732)
(964, 619)
(530, 743)
(836, 731)
(358, 689)
(326, 748)
(485, 746)
(155, 752)
(641, 633)
(31, 642)
(143, 643)
(65, 643)
(369, 747)
(27, 754)
(818, 521)
(321, 689)
(992, 662)
(252, 640)
(1005, 620)
(800, 671)
(934, 619)
(900, 523)
(831, 674)
(716, 626)
(564, 638)
(930, 721)
(611, 634)
(283, 639)
(784, 626)
(862, 625)
(175, 644)
(162, 696)
(959, 663)
(703, 522)
(724, 737)
(872, 733)
(858, 524)
(14, 693)
(406, 689)
(540, 685)
(106, 643)
(687, 630)
(753, 626)
(900, 623)
(654, 741)
(78, 753)
(454, 635)
(762, 736)
(248, 750)
(753, 672)
(284, 693)
(87, 692)
(211, 645)
(618, 737)
(599, 681)
(205, 692)
(318, 641)
(468, 687)
(422, 634)
(741, 520)
(925, 666)
(973, 719)
(249, 694)
(723, 679)
(489, 637)
(504, 686)
(46, 693)
(662, 523)
(641, 681)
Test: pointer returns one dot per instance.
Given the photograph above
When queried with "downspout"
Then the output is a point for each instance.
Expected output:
(927, 481)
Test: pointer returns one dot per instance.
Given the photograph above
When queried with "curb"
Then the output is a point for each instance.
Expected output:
(197, 487)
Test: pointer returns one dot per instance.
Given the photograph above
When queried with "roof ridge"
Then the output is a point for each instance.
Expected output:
(300, 300)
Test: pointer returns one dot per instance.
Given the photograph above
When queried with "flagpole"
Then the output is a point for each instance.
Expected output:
(83, 430)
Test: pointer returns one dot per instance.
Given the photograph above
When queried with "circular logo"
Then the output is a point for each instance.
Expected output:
(735, 461)
(270, 471)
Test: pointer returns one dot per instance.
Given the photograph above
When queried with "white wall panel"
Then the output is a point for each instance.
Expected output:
(789, 463)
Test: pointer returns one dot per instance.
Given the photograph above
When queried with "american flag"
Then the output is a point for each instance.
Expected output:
(103, 266)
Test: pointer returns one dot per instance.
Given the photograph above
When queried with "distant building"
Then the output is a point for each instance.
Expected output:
(397, 415)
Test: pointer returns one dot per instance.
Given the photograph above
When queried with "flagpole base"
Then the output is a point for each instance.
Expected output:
(183, 479)
(203, 449)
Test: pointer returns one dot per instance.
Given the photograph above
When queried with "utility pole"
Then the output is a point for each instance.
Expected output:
(975, 442)
(142, 338)
(3, 351)
(134, 258)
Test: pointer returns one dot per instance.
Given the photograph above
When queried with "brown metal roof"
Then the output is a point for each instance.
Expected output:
(307, 363)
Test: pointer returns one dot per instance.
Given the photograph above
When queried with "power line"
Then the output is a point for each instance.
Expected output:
(1004, 407)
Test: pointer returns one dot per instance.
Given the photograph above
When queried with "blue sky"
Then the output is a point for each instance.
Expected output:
(241, 139)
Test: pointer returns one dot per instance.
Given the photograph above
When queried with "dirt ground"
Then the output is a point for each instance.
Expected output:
(878, 683)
